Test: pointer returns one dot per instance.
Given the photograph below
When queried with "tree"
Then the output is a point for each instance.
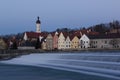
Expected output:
(37, 46)
(101, 28)
(14, 45)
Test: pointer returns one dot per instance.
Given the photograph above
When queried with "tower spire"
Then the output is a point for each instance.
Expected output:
(38, 17)
(38, 22)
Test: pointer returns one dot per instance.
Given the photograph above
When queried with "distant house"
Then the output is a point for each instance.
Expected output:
(61, 41)
(84, 42)
(68, 43)
(49, 42)
(55, 40)
(31, 36)
(106, 41)
(30, 39)
(75, 43)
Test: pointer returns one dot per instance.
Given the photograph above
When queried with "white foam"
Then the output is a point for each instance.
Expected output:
(45, 60)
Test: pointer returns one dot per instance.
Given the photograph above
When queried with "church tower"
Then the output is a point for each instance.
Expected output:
(38, 23)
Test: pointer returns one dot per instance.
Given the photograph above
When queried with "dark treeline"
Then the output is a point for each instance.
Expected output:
(103, 28)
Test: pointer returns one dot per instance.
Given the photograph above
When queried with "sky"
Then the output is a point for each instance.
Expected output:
(20, 15)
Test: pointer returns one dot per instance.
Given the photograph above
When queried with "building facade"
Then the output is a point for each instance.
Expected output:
(61, 41)
(109, 41)
(75, 43)
(55, 41)
(84, 42)
(49, 42)
(68, 43)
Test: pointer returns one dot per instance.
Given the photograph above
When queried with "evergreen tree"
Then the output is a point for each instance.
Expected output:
(37, 46)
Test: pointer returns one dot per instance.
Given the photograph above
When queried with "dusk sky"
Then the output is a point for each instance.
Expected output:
(20, 15)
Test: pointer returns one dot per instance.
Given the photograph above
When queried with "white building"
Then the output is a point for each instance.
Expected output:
(68, 43)
(38, 23)
(84, 42)
(61, 41)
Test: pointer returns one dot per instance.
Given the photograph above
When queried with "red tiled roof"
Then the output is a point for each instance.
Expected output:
(65, 34)
(104, 36)
(93, 33)
(36, 35)
(44, 34)
(32, 34)
(71, 37)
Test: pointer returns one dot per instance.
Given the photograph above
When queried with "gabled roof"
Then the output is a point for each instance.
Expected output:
(71, 37)
(65, 34)
(93, 33)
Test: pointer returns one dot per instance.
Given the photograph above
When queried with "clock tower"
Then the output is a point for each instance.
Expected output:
(38, 23)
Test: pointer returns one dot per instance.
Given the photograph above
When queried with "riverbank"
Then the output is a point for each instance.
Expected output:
(8, 54)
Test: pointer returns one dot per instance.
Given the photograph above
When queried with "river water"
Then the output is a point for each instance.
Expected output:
(19, 72)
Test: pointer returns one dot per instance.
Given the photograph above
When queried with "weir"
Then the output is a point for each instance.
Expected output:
(105, 65)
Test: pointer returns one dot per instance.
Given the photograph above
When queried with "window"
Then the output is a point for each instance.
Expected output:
(101, 46)
(69, 45)
(105, 42)
(96, 41)
(84, 46)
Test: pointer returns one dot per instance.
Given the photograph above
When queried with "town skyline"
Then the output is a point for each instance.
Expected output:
(20, 16)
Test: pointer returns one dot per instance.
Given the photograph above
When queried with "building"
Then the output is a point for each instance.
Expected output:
(68, 43)
(75, 43)
(30, 38)
(84, 42)
(61, 41)
(49, 42)
(38, 28)
(106, 41)
(55, 40)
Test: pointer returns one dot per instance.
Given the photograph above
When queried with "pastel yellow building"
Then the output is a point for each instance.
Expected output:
(75, 43)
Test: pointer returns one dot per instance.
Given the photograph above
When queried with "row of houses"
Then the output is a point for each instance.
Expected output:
(81, 39)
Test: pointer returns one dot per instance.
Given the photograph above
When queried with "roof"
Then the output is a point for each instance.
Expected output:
(104, 36)
(36, 35)
(33, 34)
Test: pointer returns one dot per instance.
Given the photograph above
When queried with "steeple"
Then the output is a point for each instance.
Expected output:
(38, 22)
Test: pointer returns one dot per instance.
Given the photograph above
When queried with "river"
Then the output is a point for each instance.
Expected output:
(19, 72)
